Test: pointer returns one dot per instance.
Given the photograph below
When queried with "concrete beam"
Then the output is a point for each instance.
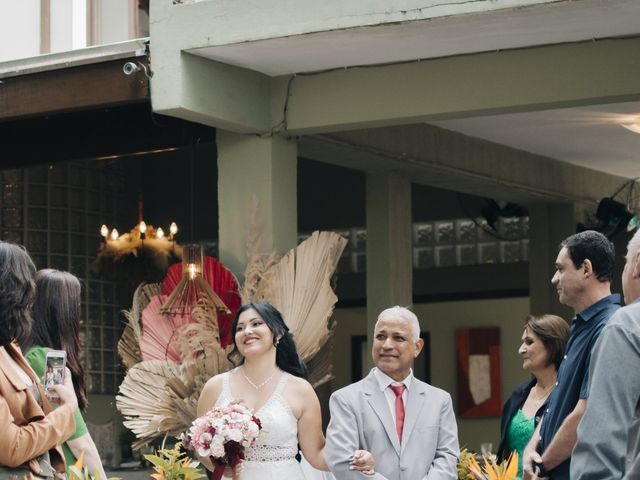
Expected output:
(540, 78)
(450, 160)
(223, 22)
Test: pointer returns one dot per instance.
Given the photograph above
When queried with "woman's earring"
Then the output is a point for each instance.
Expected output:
(277, 342)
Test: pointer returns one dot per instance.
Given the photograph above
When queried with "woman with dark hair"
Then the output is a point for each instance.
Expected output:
(31, 430)
(543, 344)
(270, 380)
(56, 325)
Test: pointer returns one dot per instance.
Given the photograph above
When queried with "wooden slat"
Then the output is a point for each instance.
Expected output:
(78, 88)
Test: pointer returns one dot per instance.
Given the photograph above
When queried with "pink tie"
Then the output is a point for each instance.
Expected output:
(398, 390)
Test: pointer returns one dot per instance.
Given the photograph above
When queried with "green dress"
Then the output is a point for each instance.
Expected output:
(519, 433)
(37, 358)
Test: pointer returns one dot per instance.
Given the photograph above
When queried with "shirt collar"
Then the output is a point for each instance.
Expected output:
(591, 311)
(385, 380)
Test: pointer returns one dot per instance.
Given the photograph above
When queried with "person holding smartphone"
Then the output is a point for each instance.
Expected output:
(31, 429)
(54, 336)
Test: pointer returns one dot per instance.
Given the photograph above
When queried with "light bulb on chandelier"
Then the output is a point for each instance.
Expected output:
(139, 232)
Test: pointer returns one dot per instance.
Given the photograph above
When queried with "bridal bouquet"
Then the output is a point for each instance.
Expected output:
(222, 434)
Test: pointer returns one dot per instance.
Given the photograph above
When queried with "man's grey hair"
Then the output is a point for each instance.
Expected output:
(634, 245)
(405, 314)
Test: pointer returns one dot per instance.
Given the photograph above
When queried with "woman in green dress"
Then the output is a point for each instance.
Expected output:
(56, 324)
(543, 344)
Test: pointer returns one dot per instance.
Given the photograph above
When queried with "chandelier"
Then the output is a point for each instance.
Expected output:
(138, 234)
(142, 254)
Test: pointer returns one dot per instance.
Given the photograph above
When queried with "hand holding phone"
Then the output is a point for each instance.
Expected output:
(54, 373)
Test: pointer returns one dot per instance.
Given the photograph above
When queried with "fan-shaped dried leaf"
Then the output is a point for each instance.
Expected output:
(159, 397)
(300, 287)
(128, 347)
(320, 366)
(158, 331)
(141, 298)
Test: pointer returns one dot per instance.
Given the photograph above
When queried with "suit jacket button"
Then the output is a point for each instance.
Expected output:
(403, 468)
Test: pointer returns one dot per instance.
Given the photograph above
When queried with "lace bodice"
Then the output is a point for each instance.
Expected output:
(278, 439)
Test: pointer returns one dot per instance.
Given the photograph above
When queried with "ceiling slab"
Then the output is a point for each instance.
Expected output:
(544, 24)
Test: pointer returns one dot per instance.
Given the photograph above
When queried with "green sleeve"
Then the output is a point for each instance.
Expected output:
(81, 427)
(37, 358)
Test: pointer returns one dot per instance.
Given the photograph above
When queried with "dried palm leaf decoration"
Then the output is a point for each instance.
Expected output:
(299, 286)
(159, 397)
(129, 343)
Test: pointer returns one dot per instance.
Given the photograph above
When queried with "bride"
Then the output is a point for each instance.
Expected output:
(270, 380)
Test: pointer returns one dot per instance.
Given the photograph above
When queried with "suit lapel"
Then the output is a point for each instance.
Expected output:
(378, 402)
(415, 401)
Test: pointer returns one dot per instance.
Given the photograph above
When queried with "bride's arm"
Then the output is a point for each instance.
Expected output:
(312, 440)
(310, 435)
(208, 397)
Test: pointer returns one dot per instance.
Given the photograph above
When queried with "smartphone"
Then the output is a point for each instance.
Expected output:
(54, 372)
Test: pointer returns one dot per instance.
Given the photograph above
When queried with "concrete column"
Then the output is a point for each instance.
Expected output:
(257, 197)
(548, 226)
(389, 245)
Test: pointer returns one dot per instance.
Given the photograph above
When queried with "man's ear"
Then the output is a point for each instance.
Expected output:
(419, 345)
(636, 265)
(588, 267)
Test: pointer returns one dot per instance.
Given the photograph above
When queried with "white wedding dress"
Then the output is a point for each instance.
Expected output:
(272, 456)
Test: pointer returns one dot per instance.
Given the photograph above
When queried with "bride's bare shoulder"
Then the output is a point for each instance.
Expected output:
(210, 393)
(214, 382)
(300, 385)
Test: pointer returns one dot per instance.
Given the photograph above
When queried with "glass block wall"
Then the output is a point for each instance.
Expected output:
(55, 211)
(447, 243)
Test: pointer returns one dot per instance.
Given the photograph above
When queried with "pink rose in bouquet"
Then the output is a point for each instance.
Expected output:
(222, 434)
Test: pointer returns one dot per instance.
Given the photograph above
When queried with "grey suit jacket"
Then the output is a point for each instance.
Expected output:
(361, 419)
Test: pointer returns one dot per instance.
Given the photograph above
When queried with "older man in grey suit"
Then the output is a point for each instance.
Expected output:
(407, 425)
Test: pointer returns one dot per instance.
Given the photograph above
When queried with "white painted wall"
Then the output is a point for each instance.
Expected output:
(114, 21)
(61, 25)
(20, 25)
(19, 29)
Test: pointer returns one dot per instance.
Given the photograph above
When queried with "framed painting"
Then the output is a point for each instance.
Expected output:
(478, 372)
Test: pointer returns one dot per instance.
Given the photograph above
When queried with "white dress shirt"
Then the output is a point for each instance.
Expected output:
(385, 381)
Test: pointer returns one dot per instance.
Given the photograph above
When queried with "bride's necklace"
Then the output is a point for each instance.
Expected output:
(259, 386)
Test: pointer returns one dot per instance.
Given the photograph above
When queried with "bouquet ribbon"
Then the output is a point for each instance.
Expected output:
(218, 470)
(217, 473)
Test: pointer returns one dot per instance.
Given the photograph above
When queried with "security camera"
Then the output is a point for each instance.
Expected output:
(130, 68)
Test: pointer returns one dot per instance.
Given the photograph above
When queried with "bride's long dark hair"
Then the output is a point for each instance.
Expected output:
(287, 357)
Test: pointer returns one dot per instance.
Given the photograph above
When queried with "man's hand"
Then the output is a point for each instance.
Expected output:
(363, 462)
(530, 457)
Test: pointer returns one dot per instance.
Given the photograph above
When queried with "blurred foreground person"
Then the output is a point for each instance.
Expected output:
(30, 429)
